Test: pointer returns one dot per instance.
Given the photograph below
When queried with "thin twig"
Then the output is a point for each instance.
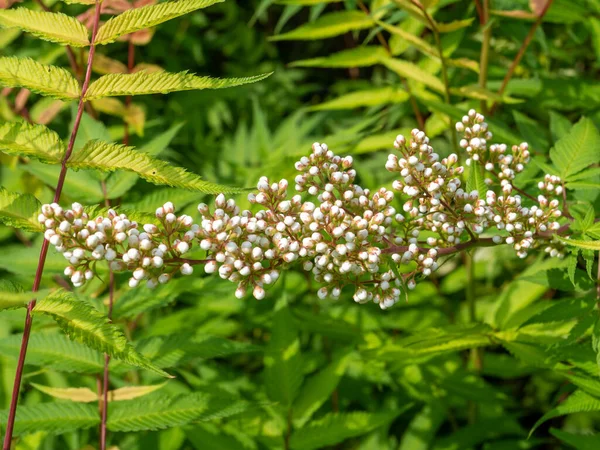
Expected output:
(385, 45)
(520, 53)
(44, 250)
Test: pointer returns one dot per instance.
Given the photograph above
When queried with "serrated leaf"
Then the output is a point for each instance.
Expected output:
(328, 25)
(44, 79)
(363, 56)
(146, 17)
(34, 141)
(579, 401)
(136, 301)
(283, 359)
(78, 395)
(54, 351)
(563, 309)
(336, 427)
(144, 83)
(51, 26)
(14, 296)
(168, 411)
(578, 150)
(19, 210)
(54, 418)
(588, 245)
(369, 97)
(83, 323)
(409, 70)
(110, 157)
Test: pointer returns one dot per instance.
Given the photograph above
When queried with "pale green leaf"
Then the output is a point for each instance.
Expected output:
(79, 395)
(329, 25)
(363, 56)
(366, 98)
(455, 25)
(409, 70)
(54, 418)
(588, 245)
(475, 178)
(146, 17)
(44, 79)
(577, 150)
(85, 324)
(131, 392)
(20, 210)
(143, 83)
(54, 27)
(109, 157)
(34, 141)
(305, 2)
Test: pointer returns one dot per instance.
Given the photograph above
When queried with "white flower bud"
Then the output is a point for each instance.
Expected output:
(186, 269)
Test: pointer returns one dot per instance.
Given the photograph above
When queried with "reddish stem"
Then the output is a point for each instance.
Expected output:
(520, 53)
(44, 250)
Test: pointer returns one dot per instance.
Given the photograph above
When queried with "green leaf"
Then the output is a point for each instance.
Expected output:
(163, 412)
(35, 141)
(136, 301)
(563, 309)
(143, 83)
(409, 70)
(146, 17)
(577, 402)
(329, 25)
(44, 79)
(305, 2)
(363, 56)
(579, 441)
(455, 25)
(416, 41)
(366, 98)
(336, 427)
(283, 360)
(54, 351)
(577, 150)
(14, 296)
(317, 390)
(588, 245)
(83, 323)
(475, 178)
(559, 125)
(54, 418)
(53, 27)
(110, 157)
(20, 210)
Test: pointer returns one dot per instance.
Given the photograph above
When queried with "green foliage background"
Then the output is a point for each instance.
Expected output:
(293, 371)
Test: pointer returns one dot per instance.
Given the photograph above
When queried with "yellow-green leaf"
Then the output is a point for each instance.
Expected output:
(409, 70)
(328, 25)
(147, 17)
(80, 395)
(35, 141)
(369, 97)
(363, 56)
(44, 79)
(54, 27)
(588, 245)
(142, 83)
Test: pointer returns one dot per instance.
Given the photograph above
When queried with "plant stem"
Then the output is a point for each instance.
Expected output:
(476, 356)
(520, 53)
(44, 250)
(485, 49)
(106, 376)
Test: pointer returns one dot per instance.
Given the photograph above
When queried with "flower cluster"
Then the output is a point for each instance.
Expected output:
(343, 234)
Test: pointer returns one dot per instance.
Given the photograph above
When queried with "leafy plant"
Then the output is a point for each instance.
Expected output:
(483, 255)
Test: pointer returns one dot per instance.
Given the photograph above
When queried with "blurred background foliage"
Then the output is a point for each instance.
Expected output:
(354, 377)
